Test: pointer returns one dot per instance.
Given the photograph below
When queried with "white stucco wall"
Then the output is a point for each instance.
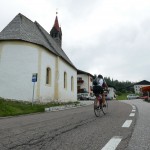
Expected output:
(47, 91)
(65, 93)
(18, 60)
(85, 83)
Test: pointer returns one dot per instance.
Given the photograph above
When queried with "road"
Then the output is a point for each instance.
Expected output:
(73, 129)
(140, 139)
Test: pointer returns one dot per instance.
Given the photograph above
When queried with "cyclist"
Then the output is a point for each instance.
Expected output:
(103, 85)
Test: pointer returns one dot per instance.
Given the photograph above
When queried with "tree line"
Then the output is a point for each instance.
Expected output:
(120, 86)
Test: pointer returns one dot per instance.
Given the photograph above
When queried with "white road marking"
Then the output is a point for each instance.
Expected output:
(127, 124)
(112, 143)
(132, 115)
(133, 110)
(133, 107)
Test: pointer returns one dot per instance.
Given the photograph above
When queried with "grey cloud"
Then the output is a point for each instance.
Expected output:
(120, 53)
(120, 50)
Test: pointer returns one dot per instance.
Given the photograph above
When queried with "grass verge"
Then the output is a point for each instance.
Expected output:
(13, 108)
(122, 96)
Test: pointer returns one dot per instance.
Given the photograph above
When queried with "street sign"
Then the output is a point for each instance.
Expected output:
(34, 77)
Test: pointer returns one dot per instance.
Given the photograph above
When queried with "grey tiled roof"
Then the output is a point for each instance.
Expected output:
(144, 82)
(21, 28)
(83, 72)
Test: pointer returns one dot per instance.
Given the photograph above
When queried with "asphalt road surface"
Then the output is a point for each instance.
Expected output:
(140, 139)
(73, 129)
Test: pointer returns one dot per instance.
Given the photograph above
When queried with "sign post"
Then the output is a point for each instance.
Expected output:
(34, 79)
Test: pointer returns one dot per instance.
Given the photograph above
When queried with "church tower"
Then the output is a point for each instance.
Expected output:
(56, 32)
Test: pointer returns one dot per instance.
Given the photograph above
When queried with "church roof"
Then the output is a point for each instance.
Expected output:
(21, 28)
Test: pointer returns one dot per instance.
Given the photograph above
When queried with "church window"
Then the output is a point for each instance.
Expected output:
(48, 76)
(72, 83)
(65, 80)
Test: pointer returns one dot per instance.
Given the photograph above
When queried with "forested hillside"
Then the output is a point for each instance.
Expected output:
(120, 86)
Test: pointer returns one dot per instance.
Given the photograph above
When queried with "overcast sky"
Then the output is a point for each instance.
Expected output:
(108, 37)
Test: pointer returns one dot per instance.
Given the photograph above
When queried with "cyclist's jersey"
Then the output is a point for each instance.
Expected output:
(100, 82)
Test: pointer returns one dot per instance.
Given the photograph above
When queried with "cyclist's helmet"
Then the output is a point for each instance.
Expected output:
(100, 76)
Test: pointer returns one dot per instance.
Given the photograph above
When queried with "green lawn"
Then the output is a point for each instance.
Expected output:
(123, 96)
(12, 108)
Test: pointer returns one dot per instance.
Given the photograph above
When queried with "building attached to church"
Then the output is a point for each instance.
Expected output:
(84, 82)
(25, 49)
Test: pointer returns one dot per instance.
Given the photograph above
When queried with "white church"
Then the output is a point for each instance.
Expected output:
(26, 48)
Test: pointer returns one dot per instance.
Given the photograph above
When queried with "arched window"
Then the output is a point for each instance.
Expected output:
(65, 80)
(48, 75)
(72, 83)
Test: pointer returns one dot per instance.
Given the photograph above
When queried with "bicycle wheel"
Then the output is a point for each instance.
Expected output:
(97, 109)
(105, 108)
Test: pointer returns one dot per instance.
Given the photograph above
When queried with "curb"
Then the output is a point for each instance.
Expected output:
(59, 108)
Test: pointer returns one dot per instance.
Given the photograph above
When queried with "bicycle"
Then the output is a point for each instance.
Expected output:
(98, 106)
